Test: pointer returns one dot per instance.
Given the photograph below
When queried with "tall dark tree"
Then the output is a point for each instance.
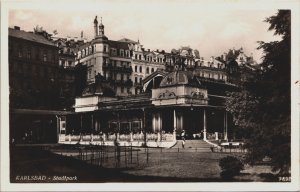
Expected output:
(262, 108)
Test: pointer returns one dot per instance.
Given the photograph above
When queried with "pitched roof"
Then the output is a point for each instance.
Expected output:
(29, 36)
(118, 44)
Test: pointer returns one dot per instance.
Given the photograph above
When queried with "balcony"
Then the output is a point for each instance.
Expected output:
(126, 83)
(122, 69)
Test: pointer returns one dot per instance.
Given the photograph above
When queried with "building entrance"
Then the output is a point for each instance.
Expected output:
(193, 124)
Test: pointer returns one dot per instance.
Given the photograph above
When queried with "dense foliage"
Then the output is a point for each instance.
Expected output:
(262, 107)
(231, 166)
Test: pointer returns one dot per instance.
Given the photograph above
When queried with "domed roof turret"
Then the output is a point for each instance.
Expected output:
(100, 38)
(180, 78)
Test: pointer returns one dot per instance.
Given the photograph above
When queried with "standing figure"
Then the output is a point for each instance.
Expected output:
(183, 138)
(183, 135)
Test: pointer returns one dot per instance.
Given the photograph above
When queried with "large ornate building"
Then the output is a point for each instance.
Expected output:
(126, 63)
(132, 95)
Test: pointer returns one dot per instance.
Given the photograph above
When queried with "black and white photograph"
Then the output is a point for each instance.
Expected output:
(174, 95)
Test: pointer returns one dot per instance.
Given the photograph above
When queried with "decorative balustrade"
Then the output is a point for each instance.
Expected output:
(75, 137)
(152, 137)
(138, 137)
(124, 137)
(86, 138)
(111, 137)
(124, 69)
(98, 137)
(167, 137)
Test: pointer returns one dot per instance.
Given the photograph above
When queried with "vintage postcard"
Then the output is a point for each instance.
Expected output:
(131, 95)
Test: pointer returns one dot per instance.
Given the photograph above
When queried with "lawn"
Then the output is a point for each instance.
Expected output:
(165, 165)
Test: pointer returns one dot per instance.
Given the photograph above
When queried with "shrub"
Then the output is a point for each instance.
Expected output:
(231, 166)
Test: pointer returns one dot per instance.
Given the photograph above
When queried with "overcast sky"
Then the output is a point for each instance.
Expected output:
(212, 28)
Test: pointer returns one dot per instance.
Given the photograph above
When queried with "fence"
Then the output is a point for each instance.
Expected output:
(129, 156)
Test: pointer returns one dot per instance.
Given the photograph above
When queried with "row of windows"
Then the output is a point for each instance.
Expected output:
(118, 52)
(35, 70)
(87, 51)
(116, 76)
(33, 53)
(212, 75)
(121, 89)
(117, 63)
(149, 58)
(212, 65)
(66, 63)
(141, 69)
(136, 80)
(112, 76)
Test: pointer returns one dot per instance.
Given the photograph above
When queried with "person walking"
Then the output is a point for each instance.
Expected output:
(183, 138)
(183, 135)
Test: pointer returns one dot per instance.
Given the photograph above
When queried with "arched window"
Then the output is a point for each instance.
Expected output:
(140, 57)
(152, 70)
(141, 69)
(135, 68)
(147, 70)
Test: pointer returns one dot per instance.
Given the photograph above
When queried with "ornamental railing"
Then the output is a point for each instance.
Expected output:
(157, 137)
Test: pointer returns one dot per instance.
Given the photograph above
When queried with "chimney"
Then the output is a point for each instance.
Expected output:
(17, 28)
(148, 50)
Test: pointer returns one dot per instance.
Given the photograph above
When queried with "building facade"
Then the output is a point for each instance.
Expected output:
(33, 70)
(169, 92)
(126, 63)
(127, 94)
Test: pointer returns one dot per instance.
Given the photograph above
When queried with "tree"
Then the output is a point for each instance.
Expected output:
(262, 106)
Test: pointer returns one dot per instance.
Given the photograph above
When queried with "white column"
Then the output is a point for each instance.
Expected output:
(204, 125)
(92, 124)
(131, 136)
(153, 122)
(160, 126)
(175, 125)
(225, 126)
(159, 122)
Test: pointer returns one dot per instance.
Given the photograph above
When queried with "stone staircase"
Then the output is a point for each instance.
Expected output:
(193, 144)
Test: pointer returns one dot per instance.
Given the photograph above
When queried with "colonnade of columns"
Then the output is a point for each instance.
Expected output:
(157, 125)
(178, 123)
